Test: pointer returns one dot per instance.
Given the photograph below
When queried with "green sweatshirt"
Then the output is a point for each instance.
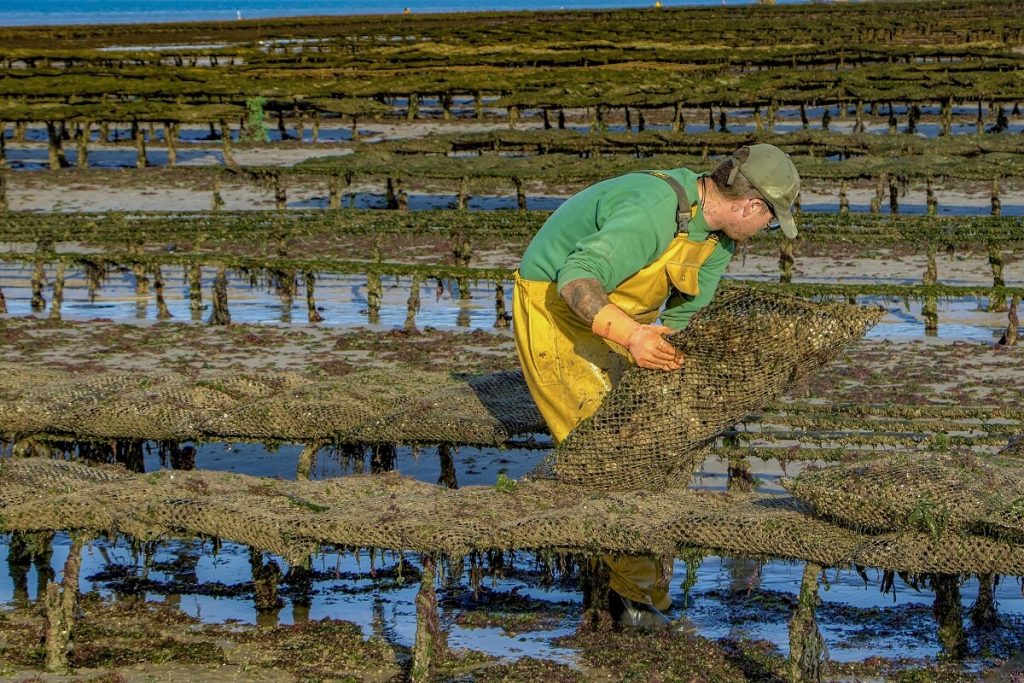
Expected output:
(616, 227)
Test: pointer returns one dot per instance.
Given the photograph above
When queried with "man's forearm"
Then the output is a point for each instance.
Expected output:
(585, 297)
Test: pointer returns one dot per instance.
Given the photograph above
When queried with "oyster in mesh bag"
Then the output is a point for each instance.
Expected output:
(924, 492)
(742, 351)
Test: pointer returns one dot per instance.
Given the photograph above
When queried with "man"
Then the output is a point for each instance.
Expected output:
(605, 266)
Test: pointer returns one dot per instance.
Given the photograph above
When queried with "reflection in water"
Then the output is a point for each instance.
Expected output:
(25, 551)
(265, 578)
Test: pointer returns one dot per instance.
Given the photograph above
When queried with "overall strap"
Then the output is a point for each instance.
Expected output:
(683, 204)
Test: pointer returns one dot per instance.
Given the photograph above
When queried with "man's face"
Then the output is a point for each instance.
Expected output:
(746, 217)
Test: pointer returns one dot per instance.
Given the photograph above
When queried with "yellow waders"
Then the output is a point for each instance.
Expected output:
(569, 369)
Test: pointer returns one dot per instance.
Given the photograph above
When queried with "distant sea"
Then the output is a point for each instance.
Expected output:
(33, 12)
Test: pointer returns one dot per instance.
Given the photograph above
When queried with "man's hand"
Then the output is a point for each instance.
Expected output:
(645, 343)
(649, 348)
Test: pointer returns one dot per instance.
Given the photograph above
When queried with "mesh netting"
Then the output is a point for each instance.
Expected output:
(484, 410)
(741, 352)
(399, 405)
(292, 518)
(931, 493)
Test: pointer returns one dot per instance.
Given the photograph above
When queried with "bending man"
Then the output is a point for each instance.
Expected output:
(603, 269)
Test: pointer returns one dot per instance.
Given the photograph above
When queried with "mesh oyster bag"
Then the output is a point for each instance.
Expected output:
(742, 351)
(923, 492)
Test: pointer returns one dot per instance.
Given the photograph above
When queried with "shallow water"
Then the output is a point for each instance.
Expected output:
(732, 597)
(341, 300)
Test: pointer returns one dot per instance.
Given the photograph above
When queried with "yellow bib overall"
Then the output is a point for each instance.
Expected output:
(569, 369)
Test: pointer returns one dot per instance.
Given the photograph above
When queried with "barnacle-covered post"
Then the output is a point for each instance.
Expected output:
(520, 194)
(55, 146)
(431, 642)
(412, 306)
(349, 177)
(462, 201)
(462, 251)
(307, 459)
(894, 202)
(333, 191)
(876, 201)
(3, 143)
(300, 128)
(3, 190)
(401, 197)
(949, 615)
(678, 123)
(413, 110)
(500, 314)
(595, 575)
(858, 121)
(997, 204)
(216, 201)
(446, 106)
(162, 313)
(81, 144)
(930, 308)
(844, 201)
(139, 137)
(373, 296)
(448, 477)
(195, 288)
(931, 202)
(312, 314)
(913, 116)
(390, 198)
(805, 123)
(995, 262)
(220, 315)
(946, 117)
(226, 147)
(1009, 337)
(280, 192)
(3, 302)
(807, 650)
(38, 276)
(58, 291)
(786, 260)
(171, 140)
(513, 116)
(61, 601)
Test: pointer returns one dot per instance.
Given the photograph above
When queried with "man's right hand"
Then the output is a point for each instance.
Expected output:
(645, 343)
(650, 349)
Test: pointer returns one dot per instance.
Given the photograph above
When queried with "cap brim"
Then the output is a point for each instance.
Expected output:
(786, 222)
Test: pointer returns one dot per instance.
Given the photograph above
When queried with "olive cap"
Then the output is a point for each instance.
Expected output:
(772, 173)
